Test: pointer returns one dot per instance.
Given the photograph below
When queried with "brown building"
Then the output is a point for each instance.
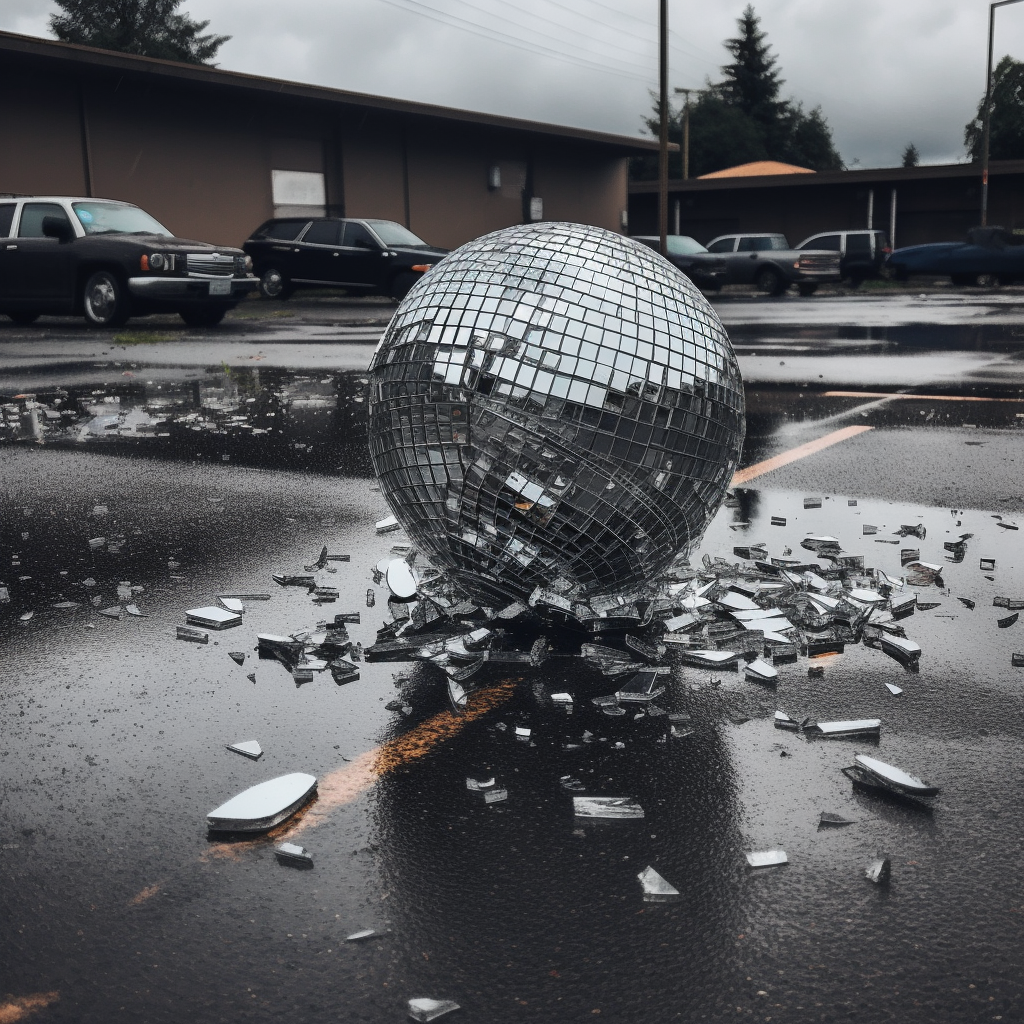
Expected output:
(212, 154)
(932, 204)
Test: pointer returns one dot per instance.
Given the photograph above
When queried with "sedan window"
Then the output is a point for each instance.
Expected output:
(6, 218)
(323, 232)
(32, 215)
(283, 230)
(683, 245)
(115, 219)
(356, 235)
(722, 245)
(394, 234)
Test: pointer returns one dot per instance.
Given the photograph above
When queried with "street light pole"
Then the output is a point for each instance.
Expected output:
(686, 130)
(987, 118)
(663, 133)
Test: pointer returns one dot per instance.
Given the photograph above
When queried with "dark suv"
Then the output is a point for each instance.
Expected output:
(373, 257)
(108, 261)
(861, 253)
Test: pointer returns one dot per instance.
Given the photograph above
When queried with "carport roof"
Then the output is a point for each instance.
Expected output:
(70, 57)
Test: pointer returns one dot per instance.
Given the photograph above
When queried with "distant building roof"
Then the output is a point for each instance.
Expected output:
(759, 168)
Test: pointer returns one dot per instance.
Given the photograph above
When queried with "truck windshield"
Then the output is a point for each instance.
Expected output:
(391, 233)
(117, 219)
(683, 245)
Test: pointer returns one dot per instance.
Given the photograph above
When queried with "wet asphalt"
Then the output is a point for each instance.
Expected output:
(198, 463)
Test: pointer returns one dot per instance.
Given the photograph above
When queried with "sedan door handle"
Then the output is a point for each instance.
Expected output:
(336, 254)
(11, 247)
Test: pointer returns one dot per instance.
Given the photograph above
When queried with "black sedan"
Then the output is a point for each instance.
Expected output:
(703, 268)
(369, 257)
(988, 256)
(108, 261)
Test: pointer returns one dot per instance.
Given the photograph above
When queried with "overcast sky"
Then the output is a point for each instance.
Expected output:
(884, 73)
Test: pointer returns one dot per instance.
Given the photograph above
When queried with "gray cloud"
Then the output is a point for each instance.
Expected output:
(884, 74)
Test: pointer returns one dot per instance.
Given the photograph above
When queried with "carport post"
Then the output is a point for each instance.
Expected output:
(988, 108)
(892, 220)
(663, 128)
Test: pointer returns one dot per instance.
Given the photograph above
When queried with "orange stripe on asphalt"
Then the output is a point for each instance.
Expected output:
(760, 468)
(928, 398)
(148, 893)
(18, 1009)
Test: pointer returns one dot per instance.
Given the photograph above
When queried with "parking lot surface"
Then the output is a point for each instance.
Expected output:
(171, 465)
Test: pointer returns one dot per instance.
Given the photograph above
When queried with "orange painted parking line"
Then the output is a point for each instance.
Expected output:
(927, 398)
(147, 893)
(20, 1008)
(801, 452)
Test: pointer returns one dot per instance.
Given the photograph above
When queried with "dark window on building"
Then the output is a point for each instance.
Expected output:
(285, 230)
(357, 235)
(6, 218)
(323, 232)
(32, 215)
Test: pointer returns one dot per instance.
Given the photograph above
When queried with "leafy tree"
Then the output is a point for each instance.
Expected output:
(1006, 119)
(742, 119)
(150, 28)
(911, 157)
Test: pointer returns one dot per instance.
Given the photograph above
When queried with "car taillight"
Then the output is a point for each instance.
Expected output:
(887, 249)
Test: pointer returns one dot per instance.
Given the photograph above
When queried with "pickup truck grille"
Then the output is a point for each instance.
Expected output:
(209, 264)
(820, 262)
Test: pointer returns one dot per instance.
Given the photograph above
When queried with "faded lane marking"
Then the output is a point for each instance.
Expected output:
(19, 1008)
(147, 893)
(346, 784)
(926, 398)
(800, 452)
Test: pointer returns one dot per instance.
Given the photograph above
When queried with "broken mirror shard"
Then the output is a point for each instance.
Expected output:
(606, 807)
(1017, 660)
(238, 657)
(284, 580)
(901, 648)
(656, 888)
(114, 612)
(212, 617)
(1009, 620)
(893, 689)
(513, 443)
(197, 636)
(761, 672)
(424, 1010)
(872, 772)
(830, 820)
(250, 748)
(243, 597)
(778, 521)
(233, 604)
(861, 727)
(879, 871)
(766, 858)
(319, 563)
(783, 721)
(294, 854)
(135, 610)
(366, 933)
(387, 524)
(401, 580)
(987, 564)
(261, 807)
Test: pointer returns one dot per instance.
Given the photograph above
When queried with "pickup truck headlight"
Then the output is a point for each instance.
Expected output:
(157, 261)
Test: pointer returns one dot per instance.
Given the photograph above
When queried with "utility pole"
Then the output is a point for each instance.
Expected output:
(686, 130)
(988, 108)
(663, 133)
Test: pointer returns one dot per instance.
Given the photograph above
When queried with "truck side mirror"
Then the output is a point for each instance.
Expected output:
(57, 227)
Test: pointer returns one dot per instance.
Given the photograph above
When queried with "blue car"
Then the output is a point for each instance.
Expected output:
(989, 256)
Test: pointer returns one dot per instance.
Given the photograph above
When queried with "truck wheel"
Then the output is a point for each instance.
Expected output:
(987, 281)
(401, 285)
(274, 285)
(770, 282)
(203, 316)
(806, 288)
(24, 319)
(105, 300)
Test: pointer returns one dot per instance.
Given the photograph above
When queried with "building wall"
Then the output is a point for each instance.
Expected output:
(199, 158)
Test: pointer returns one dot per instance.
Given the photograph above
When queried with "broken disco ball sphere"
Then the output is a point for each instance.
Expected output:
(555, 409)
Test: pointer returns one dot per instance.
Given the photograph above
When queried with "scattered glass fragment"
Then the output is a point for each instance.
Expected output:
(135, 610)
(829, 819)
(233, 604)
(901, 648)
(783, 721)
(366, 933)
(1017, 660)
(495, 796)
(656, 888)
(212, 617)
(261, 807)
(371, 599)
(195, 635)
(812, 502)
(889, 777)
(401, 580)
(424, 1010)
(879, 871)
(319, 563)
(244, 597)
(987, 564)
(293, 853)
(523, 733)
(967, 603)
(1009, 620)
(766, 858)
(284, 580)
(606, 807)
(778, 521)
(115, 612)
(67, 605)
(761, 672)
(893, 689)
(853, 727)
(868, 531)
(250, 748)
(25, 616)
(386, 525)
(561, 698)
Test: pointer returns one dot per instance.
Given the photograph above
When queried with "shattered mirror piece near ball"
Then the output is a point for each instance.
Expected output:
(263, 806)
(366, 933)
(294, 854)
(830, 820)
(249, 748)
(879, 871)
(212, 617)
(425, 1010)
(766, 858)
(606, 807)
(195, 635)
(656, 888)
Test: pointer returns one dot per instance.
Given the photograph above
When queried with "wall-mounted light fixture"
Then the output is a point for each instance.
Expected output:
(494, 177)
(536, 208)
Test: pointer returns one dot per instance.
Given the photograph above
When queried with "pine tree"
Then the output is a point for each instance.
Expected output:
(752, 81)
(1006, 118)
(911, 157)
(150, 28)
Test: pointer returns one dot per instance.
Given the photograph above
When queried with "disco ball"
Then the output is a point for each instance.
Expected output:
(554, 406)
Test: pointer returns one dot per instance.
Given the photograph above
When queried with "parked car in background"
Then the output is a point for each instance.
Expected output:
(767, 262)
(861, 253)
(704, 270)
(371, 257)
(108, 261)
(989, 256)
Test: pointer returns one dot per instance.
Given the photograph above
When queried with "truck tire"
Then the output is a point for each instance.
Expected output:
(770, 281)
(105, 301)
(806, 288)
(274, 285)
(203, 316)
